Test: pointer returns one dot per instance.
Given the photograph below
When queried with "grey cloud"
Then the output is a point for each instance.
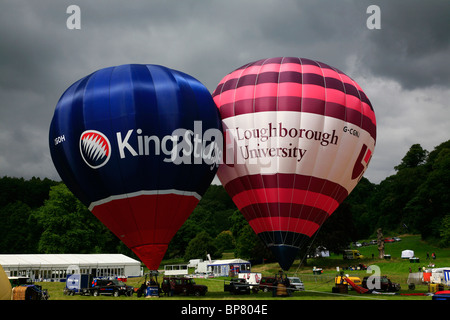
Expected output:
(413, 45)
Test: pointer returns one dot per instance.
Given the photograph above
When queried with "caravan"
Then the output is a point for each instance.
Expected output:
(440, 276)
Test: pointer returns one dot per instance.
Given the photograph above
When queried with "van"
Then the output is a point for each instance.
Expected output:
(352, 254)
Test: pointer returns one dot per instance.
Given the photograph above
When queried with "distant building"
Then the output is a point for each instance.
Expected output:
(176, 270)
(55, 267)
(231, 267)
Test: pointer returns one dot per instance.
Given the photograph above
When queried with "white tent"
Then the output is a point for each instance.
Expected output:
(55, 267)
(406, 254)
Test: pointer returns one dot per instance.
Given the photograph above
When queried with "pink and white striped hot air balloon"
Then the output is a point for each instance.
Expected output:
(299, 135)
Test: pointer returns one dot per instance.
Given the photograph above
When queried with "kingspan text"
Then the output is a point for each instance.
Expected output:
(183, 146)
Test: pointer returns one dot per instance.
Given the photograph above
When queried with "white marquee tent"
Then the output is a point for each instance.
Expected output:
(406, 254)
(55, 267)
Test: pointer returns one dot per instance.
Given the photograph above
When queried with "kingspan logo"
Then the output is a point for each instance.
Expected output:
(95, 148)
(183, 146)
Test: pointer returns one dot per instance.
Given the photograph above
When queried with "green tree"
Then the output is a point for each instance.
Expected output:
(415, 156)
(431, 203)
(181, 239)
(445, 232)
(68, 226)
(238, 222)
(249, 246)
(388, 204)
(246, 243)
(31, 192)
(200, 246)
(225, 241)
(16, 229)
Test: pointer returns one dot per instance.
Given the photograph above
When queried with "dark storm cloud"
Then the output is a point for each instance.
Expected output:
(413, 45)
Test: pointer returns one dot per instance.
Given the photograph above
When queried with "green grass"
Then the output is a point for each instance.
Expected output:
(317, 287)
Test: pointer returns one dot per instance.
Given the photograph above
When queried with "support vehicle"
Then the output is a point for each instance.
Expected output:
(24, 289)
(85, 284)
(342, 280)
(78, 284)
(236, 286)
(352, 254)
(110, 287)
(182, 285)
(380, 283)
(296, 284)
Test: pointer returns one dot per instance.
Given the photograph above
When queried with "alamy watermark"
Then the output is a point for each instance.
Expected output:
(374, 281)
(73, 22)
(374, 20)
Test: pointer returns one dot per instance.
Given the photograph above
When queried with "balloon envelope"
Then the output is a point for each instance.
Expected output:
(123, 140)
(299, 134)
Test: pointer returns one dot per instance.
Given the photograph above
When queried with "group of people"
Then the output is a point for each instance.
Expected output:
(282, 279)
(433, 256)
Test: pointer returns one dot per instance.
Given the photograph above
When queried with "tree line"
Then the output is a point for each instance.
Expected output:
(43, 216)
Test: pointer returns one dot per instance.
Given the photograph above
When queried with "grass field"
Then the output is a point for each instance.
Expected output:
(317, 287)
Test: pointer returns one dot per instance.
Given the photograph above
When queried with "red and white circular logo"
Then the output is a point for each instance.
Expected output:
(95, 148)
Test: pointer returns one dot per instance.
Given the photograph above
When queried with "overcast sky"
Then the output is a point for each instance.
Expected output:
(403, 67)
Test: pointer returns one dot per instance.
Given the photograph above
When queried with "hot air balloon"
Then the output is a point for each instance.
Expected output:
(299, 135)
(138, 145)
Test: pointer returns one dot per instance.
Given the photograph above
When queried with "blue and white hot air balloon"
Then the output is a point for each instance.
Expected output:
(138, 145)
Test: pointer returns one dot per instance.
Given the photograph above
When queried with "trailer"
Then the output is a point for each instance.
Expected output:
(78, 284)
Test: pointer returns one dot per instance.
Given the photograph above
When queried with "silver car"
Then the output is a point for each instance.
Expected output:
(296, 283)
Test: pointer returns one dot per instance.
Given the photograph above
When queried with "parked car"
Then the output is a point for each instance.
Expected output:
(267, 283)
(389, 240)
(296, 284)
(110, 287)
(385, 284)
(236, 286)
(182, 285)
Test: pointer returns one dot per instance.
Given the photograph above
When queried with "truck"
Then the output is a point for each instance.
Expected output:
(352, 254)
(252, 278)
